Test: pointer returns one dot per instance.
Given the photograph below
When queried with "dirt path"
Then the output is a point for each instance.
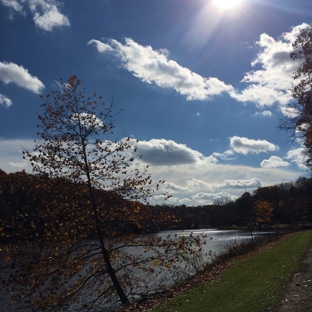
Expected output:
(298, 293)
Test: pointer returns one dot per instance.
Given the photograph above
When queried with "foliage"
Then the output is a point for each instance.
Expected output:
(291, 203)
(300, 120)
(222, 201)
(253, 283)
(67, 237)
(263, 211)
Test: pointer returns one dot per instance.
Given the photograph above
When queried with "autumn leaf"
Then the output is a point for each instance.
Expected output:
(71, 80)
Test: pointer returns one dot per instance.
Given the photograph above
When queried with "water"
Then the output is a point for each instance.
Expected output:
(216, 242)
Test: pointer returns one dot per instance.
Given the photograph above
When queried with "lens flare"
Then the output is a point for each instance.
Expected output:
(226, 4)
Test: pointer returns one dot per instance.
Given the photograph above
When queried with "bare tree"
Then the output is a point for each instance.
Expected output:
(299, 119)
(92, 190)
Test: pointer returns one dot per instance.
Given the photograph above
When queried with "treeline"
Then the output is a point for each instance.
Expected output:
(31, 206)
(291, 204)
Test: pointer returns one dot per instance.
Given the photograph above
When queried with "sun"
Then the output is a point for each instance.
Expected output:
(226, 4)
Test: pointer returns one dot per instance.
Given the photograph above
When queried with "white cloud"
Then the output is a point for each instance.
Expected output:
(262, 95)
(12, 73)
(232, 179)
(153, 66)
(203, 198)
(166, 152)
(49, 17)
(13, 4)
(241, 184)
(266, 86)
(274, 162)
(5, 101)
(101, 46)
(194, 183)
(264, 114)
(173, 188)
(297, 156)
(225, 156)
(194, 179)
(272, 83)
(175, 201)
(46, 14)
(245, 146)
(290, 112)
(11, 157)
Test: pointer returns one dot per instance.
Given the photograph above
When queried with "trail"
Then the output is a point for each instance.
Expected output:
(297, 296)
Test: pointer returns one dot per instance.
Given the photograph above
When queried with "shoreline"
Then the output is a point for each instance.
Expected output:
(209, 274)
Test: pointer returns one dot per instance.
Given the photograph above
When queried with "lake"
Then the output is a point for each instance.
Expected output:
(217, 242)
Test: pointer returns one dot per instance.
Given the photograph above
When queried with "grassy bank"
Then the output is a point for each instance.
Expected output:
(253, 283)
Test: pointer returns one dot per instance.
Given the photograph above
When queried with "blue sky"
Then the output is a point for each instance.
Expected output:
(202, 87)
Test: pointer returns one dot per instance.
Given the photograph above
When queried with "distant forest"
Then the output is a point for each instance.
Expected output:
(291, 203)
(28, 201)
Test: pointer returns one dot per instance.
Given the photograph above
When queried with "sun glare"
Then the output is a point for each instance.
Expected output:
(226, 4)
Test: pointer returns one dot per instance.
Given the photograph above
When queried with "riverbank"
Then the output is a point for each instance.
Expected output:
(265, 280)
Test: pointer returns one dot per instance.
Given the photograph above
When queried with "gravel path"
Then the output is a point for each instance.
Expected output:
(298, 293)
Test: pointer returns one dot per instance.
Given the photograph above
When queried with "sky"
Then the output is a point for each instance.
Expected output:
(203, 84)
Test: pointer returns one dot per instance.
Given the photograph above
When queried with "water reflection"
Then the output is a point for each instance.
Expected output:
(216, 242)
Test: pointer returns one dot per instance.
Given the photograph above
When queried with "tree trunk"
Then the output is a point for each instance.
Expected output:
(122, 296)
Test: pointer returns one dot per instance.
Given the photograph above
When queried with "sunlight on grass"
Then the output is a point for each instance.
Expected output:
(253, 284)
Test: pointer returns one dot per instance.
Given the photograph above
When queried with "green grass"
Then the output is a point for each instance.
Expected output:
(252, 284)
